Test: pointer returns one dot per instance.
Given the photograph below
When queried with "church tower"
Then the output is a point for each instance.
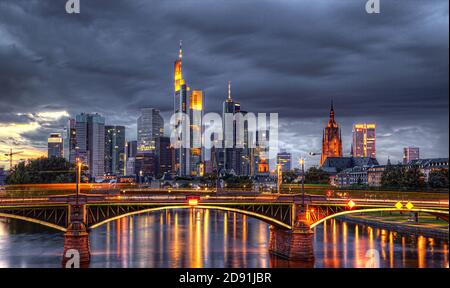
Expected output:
(331, 139)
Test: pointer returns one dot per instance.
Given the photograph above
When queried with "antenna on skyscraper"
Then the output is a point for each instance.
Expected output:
(229, 90)
(181, 49)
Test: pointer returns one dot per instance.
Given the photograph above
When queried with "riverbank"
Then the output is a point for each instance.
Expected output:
(440, 232)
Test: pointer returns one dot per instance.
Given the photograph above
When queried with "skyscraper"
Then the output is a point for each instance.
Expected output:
(285, 160)
(131, 148)
(115, 150)
(165, 155)
(331, 139)
(182, 153)
(232, 155)
(72, 136)
(410, 153)
(55, 145)
(150, 125)
(363, 143)
(195, 116)
(90, 139)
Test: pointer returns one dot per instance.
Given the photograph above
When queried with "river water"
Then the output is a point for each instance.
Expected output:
(209, 238)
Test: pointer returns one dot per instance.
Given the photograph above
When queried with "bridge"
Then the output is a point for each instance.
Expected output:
(292, 217)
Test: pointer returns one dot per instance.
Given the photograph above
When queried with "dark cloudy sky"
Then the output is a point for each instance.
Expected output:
(285, 56)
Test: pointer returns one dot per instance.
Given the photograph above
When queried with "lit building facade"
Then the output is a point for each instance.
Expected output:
(150, 125)
(182, 154)
(285, 160)
(331, 139)
(410, 154)
(364, 140)
(115, 158)
(55, 145)
(195, 116)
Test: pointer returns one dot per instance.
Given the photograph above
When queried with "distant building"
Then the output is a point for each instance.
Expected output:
(335, 165)
(55, 145)
(352, 176)
(2, 176)
(72, 138)
(90, 142)
(374, 175)
(331, 139)
(410, 154)
(131, 164)
(115, 150)
(428, 165)
(131, 148)
(195, 115)
(145, 165)
(166, 155)
(285, 160)
(150, 125)
(364, 140)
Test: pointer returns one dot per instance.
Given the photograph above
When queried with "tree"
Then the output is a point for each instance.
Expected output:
(392, 176)
(238, 182)
(316, 176)
(412, 178)
(438, 178)
(43, 171)
(289, 177)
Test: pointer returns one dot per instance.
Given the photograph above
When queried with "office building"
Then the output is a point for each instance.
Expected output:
(90, 142)
(115, 163)
(165, 158)
(150, 125)
(196, 129)
(55, 145)
(410, 154)
(364, 140)
(284, 159)
(72, 138)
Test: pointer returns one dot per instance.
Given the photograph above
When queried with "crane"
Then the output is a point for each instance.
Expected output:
(10, 155)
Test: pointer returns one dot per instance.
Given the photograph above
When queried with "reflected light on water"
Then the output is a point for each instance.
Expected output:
(209, 238)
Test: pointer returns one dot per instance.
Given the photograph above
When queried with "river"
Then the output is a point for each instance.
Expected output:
(209, 238)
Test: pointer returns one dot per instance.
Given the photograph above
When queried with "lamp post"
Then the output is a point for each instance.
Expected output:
(279, 178)
(302, 164)
(78, 179)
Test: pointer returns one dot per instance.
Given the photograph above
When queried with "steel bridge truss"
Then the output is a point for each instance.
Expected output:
(275, 214)
(52, 216)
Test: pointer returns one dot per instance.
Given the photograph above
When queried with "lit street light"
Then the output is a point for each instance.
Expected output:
(302, 164)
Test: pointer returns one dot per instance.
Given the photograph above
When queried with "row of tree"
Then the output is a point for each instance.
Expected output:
(401, 177)
(42, 171)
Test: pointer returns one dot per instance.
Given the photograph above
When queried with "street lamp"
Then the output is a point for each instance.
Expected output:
(78, 179)
(302, 164)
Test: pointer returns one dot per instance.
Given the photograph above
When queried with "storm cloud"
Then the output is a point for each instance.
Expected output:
(288, 56)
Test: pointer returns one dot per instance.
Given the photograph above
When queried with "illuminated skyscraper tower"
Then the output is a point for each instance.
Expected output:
(195, 116)
(331, 141)
(364, 139)
(181, 106)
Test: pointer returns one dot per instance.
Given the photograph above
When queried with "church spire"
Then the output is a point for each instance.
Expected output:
(332, 110)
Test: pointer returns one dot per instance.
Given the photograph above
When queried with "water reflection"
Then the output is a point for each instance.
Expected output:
(208, 238)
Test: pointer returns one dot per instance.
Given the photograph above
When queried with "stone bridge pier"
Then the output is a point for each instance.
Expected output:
(77, 252)
(294, 244)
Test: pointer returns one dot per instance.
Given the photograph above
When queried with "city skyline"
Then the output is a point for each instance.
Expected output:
(118, 84)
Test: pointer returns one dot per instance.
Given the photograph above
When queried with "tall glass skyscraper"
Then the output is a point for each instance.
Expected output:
(182, 153)
(90, 142)
(150, 125)
(115, 150)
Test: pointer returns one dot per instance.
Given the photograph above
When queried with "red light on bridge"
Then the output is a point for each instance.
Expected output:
(193, 200)
(351, 204)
